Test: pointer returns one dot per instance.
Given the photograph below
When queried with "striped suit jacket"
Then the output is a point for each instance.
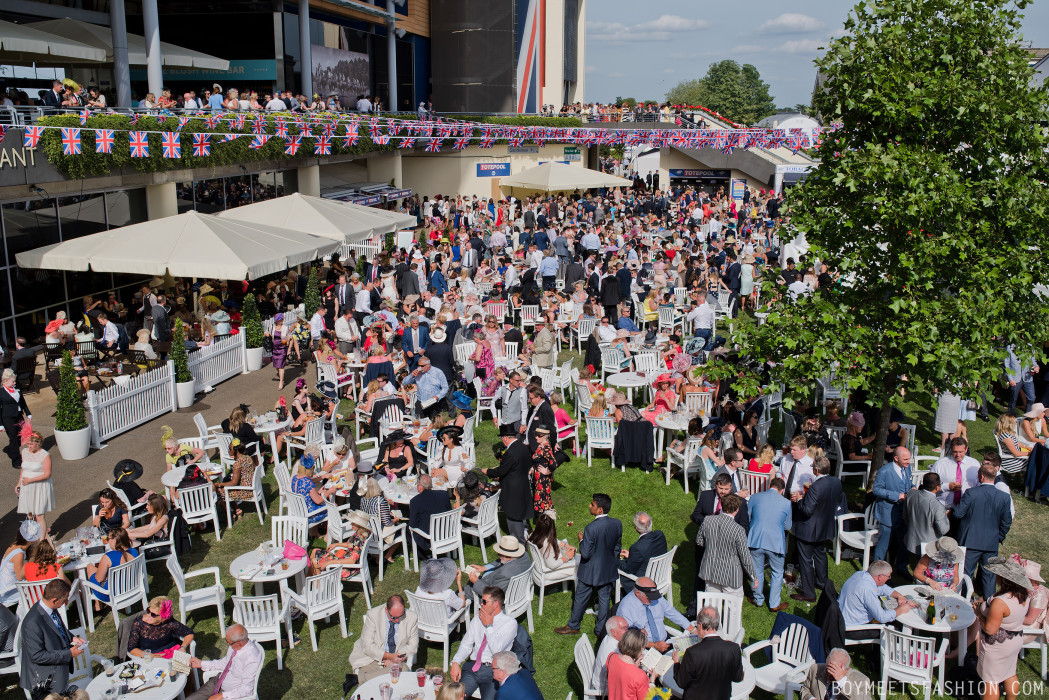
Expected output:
(726, 556)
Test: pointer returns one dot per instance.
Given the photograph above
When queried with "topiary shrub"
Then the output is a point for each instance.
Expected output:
(70, 415)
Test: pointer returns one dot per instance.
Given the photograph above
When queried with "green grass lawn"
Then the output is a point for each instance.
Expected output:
(307, 674)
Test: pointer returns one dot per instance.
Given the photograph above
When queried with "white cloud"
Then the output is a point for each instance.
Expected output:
(669, 71)
(590, 70)
(796, 46)
(660, 29)
(791, 23)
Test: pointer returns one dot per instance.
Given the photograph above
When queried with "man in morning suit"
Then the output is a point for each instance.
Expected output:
(709, 503)
(708, 669)
(515, 491)
(650, 543)
(985, 517)
(891, 486)
(416, 341)
(428, 501)
(48, 648)
(814, 524)
(541, 414)
(770, 520)
(925, 517)
(599, 546)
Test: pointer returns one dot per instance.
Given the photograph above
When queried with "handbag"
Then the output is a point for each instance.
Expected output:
(293, 551)
(267, 344)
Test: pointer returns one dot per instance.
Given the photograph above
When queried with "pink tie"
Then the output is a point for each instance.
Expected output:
(958, 478)
(222, 676)
(717, 505)
(480, 651)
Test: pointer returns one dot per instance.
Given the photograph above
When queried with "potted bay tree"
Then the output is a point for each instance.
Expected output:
(251, 327)
(72, 433)
(184, 382)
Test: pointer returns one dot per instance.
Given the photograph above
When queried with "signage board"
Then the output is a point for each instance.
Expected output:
(397, 194)
(365, 201)
(493, 169)
(523, 150)
(572, 151)
(738, 187)
(700, 173)
(246, 69)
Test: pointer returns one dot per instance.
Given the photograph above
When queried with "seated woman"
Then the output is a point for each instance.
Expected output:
(470, 492)
(812, 428)
(112, 513)
(435, 581)
(375, 504)
(851, 443)
(939, 567)
(142, 343)
(664, 399)
(174, 450)
(343, 554)
(395, 456)
(464, 416)
(746, 438)
(587, 378)
(695, 430)
(897, 434)
(156, 530)
(343, 459)
(157, 632)
(452, 459)
(303, 485)
(118, 551)
(564, 419)
(41, 562)
(1009, 444)
(709, 454)
(599, 407)
(372, 393)
(622, 409)
(556, 556)
(621, 343)
(650, 307)
(238, 426)
(762, 461)
(1033, 427)
(428, 433)
(241, 473)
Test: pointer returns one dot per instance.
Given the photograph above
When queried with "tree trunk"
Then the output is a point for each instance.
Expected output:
(882, 435)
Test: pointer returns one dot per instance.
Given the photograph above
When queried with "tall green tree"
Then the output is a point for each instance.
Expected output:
(931, 202)
(734, 91)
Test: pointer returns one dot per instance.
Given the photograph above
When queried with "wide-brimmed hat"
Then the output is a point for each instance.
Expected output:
(205, 288)
(461, 400)
(360, 519)
(31, 531)
(1009, 570)
(617, 399)
(54, 326)
(663, 379)
(944, 550)
(695, 345)
(395, 436)
(1033, 568)
(436, 575)
(411, 299)
(142, 334)
(127, 470)
(749, 259)
(327, 389)
(508, 546)
(453, 430)
(542, 430)
(220, 316)
(437, 335)
(1035, 410)
(61, 315)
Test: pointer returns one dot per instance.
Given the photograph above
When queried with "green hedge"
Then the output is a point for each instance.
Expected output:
(89, 163)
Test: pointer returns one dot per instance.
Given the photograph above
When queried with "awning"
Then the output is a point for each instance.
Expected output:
(102, 38)
(794, 178)
(20, 43)
(558, 177)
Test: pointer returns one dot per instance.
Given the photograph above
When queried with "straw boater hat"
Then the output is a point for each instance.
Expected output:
(508, 546)
(944, 550)
(361, 519)
(1008, 569)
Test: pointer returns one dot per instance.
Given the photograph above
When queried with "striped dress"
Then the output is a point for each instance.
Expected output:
(1010, 464)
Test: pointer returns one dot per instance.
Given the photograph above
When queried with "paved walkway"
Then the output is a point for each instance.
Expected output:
(77, 483)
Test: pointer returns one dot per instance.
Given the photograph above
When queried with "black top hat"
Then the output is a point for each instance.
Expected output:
(507, 430)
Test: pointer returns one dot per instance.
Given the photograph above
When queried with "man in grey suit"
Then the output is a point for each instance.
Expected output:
(513, 560)
(924, 516)
(599, 546)
(161, 323)
(770, 520)
(48, 648)
(985, 516)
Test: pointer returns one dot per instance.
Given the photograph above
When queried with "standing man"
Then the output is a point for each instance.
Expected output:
(924, 517)
(346, 331)
(416, 340)
(984, 517)
(709, 503)
(733, 279)
(544, 354)
(708, 669)
(1020, 376)
(770, 520)
(161, 323)
(815, 523)
(542, 414)
(432, 387)
(891, 486)
(48, 647)
(599, 546)
(511, 401)
(795, 465)
(958, 471)
(488, 633)
(390, 636)
(363, 306)
(515, 498)
(725, 556)
(344, 294)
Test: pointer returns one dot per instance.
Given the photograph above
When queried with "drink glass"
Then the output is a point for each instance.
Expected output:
(147, 657)
(438, 681)
(395, 673)
(107, 665)
(420, 676)
(386, 691)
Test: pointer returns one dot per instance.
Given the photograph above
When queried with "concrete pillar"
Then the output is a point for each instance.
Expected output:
(386, 168)
(593, 157)
(151, 25)
(161, 200)
(121, 71)
(309, 177)
(305, 54)
(391, 53)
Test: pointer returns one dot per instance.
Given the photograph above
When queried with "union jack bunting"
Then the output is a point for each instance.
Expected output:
(381, 139)
(259, 126)
(292, 146)
(84, 115)
(351, 138)
(3, 132)
(329, 130)
(211, 121)
(32, 136)
(486, 142)
(322, 147)
(240, 123)
(104, 141)
(408, 142)
(259, 141)
(461, 143)
(280, 130)
(134, 118)
(171, 143)
(373, 128)
(201, 145)
(229, 137)
(138, 142)
(434, 146)
(70, 141)
(517, 142)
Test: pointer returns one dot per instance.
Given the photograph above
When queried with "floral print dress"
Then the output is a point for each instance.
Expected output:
(542, 483)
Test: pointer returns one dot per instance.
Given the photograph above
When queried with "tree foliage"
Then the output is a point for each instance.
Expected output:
(312, 298)
(251, 322)
(70, 415)
(930, 200)
(737, 92)
(178, 354)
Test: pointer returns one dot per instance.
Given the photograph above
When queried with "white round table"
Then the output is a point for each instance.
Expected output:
(406, 685)
(271, 427)
(628, 381)
(248, 568)
(673, 422)
(173, 476)
(955, 606)
(171, 687)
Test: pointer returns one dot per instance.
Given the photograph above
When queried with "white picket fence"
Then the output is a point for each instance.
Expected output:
(368, 249)
(118, 409)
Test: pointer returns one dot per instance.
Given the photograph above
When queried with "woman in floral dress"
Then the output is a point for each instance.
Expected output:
(484, 361)
(543, 466)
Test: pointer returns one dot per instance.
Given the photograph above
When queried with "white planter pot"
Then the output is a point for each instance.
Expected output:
(73, 444)
(186, 393)
(254, 358)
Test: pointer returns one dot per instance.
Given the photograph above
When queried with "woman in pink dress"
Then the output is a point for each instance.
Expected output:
(494, 335)
(484, 362)
(664, 399)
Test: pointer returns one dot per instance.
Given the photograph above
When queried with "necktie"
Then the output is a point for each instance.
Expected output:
(222, 676)
(651, 622)
(61, 627)
(480, 652)
(958, 478)
(391, 634)
(832, 691)
(717, 505)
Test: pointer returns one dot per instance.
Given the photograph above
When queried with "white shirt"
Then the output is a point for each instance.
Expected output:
(316, 325)
(605, 333)
(346, 330)
(798, 288)
(110, 334)
(947, 469)
(804, 469)
(244, 669)
(500, 636)
(188, 104)
(702, 317)
(276, 105)
(364, 302)
(364, 105)
(599, 676)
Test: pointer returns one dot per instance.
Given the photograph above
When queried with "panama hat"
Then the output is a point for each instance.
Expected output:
(508, 546)
(360, 519)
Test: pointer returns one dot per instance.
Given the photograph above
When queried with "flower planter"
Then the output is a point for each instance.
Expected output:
(73, 444)
(186, 393)
(253, 357)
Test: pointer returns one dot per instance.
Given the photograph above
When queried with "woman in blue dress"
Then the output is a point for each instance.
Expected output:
(118, 551)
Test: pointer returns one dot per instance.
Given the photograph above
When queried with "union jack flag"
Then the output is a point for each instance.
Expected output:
(293, 144)
(182, 121)
(259, 126)
(138, 142)
(407, 142)
(517, 142)
(212, 121)
(381, 139)
(104, 141)
(240, 123)
(281, 130)
(322, 147)
(134, 118)
(351, 138)
(201, 145)
(70, 141)
(461, 143)
(259, 141)
(84, 115)
(229, 137)
(486, 142)
(434, 146)
(32, 136)
(3, 133)
(373, 128)
(171, 142)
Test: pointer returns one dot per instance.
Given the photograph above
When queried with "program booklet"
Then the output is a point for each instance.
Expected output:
(682, 643)
(652, 659)
(180, 662)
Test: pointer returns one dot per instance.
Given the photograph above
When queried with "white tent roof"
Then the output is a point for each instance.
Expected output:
(558, 177)
(187, 245)
(341, 221)
(102, 38)
(23, 44)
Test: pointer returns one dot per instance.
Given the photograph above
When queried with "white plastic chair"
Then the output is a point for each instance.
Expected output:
(258, 496)
(445, 535)
(377, 545)
(83, 671)
(283, 477)
(582, 330)
(790, 659)
(289, 527)
(690, 462)
(864, 539)
(911, 660)
(730, 612)
(435, 622)
(314, 435)
(583, 399)
(600, 435)
(584, 663)
(754, 482)
(126, 584)
(326, 372)
(698, 402)
(211, 594)
(563, 377)
(612, 361)
(13, 658)
(30, 593)
(200, 505)
(262, 617)
(669, 319)
(484, 403)
(299, 507)
(645, 362)
(529, 313)
(1039, 642)
(321, 598)
(837, 455)
(208, 433)
(519, 594)
(543, 578)
(463, 351)
(486, 524)
(510, 351)
(659, 569)
(497, 309)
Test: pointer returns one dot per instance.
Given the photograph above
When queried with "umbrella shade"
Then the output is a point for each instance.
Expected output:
(558, 177)
(102, 38)
(22, 44)
(341, 221)
(187, 245)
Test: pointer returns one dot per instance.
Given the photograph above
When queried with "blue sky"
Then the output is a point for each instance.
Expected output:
(642, 49)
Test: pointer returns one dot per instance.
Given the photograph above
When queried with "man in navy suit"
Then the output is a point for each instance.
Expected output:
(985, 517)
(416, 339)
(891, 486)
(815, 523)
(48, 647)
(650, 543)
(599, 546)
(427, 502)
(770, 519)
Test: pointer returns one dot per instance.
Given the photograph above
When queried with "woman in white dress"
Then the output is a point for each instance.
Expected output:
(452, 460)
(36, 492)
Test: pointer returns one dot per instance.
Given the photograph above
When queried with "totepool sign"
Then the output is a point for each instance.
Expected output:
(493, 169)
